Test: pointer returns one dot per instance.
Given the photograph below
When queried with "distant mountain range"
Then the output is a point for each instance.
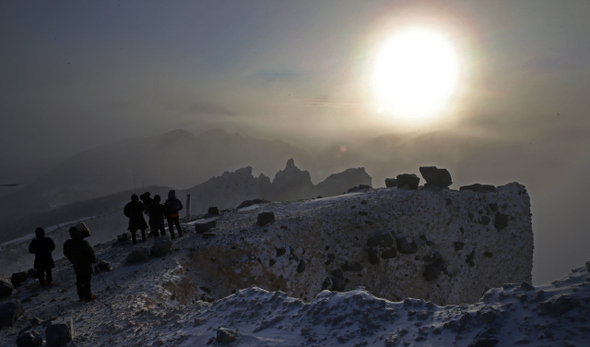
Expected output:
(100, 180)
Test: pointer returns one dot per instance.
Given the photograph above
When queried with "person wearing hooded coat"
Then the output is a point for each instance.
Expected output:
(134, 211)
(147, 201)
(82, 256)
(42, 246)
(173, 206)
(157, 213)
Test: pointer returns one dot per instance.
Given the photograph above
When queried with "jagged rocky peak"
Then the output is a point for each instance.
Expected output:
(292, 183)
(243, 172)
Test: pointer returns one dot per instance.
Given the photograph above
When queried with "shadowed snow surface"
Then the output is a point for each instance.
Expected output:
(152, 303)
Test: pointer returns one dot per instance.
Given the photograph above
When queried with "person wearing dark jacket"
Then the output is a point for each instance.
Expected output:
(82, 256)
(157, 213)
(147, 201)
(134, 211)
(42, 247)
(173, 206)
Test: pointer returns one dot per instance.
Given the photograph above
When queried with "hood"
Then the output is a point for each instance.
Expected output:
(40, 233)
(172, 194)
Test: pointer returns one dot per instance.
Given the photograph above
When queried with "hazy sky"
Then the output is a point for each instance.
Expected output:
(75, 75)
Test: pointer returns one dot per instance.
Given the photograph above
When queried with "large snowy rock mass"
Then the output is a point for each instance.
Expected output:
(387, 267)
(441, 245)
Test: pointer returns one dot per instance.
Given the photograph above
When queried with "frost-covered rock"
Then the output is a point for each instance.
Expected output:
(445, 246)
(138, 254)
(6, 287)
(19, 277)
(10, 311)
(30, 338)
(161, 246)
(60, 333)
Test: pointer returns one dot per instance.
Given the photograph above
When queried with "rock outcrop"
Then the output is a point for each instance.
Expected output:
(338, 183)
(292, 184)
(442, 245)
(234, 189)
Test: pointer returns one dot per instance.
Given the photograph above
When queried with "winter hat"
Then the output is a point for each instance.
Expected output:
(134, 197)
(157, 198)
(76, 233)
(172, 194)
(40, 233)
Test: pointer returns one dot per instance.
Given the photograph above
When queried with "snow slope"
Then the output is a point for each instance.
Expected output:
(155, 303)
(143, 307)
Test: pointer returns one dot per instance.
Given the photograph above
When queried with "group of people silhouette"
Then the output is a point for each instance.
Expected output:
(81, 254)
(157, 212)
(78, 251)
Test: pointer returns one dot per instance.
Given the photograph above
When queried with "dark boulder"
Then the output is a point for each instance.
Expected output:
(500, 221)
(138, 254)
(390, 182)
(33, 273)
(405, 247)
(226, 336)
(30, 338)
(124, 237)
(458, 245)
(59, 334)
(479, 188)
(559, 304)
(204, 227)
(252, 202)
(281, 251)
(381, 240)
(10, 312)
(389, 253)
(212, 211)
(209, 235)
(103, 266)
(6, 287)
(265, 218)
(338, 280)
(359, 188)
(436, 177)
(433, 269)
(301, 266)
(409, 181)
(19, 277)
(354, 267)
(484, 342)
(373, 255)
(162, 246)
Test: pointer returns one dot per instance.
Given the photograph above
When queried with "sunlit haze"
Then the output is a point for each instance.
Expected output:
(105, 96)
(415, 72)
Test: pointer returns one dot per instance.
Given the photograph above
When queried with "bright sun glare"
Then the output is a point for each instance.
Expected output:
(415, 73)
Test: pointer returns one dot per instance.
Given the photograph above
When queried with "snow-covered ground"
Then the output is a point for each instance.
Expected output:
(152, 303)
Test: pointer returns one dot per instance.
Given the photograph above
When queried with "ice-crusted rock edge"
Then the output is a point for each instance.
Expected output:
(442, 245)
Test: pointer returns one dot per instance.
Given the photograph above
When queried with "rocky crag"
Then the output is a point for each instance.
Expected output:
(441, 245)
(231, 188)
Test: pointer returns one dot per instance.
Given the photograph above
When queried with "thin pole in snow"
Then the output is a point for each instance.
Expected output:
(188, 206)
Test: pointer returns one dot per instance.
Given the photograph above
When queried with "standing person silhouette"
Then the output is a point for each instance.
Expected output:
(173, 206)
(157, 213)
(134, 211)
(42, 247)
(82, 256)
(147, 201)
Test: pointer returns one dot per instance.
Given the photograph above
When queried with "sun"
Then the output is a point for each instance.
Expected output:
(414, 74)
